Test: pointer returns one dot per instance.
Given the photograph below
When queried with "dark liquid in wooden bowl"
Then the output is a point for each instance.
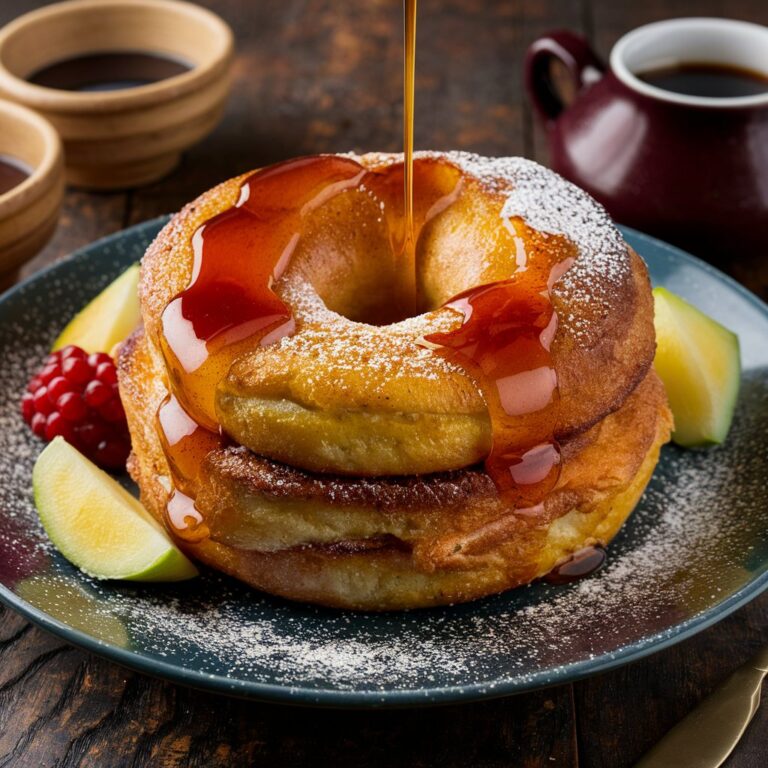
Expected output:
(705, 79)
(12, 173)
(108, 71)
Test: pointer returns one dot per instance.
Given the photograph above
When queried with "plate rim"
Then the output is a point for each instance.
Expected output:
(425, 696)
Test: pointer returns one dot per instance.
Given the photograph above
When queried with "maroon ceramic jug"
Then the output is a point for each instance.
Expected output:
(689, 169)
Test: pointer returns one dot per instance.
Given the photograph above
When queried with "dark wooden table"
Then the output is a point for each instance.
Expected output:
(315, 76)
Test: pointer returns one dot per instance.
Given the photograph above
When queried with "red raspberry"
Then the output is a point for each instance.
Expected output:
(75, 395)
(28, 406)
(112, 410)
(58, 387)
(113, 453)
(69, 351)
(92, 432)
(97, 358)
(97, 393)
(49, 372)
(72, 406)
(42, 403)
(77, 371)
(107, 373)
(38, 424)
(56, 425)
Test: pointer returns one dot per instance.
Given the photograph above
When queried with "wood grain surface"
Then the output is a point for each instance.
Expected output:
(325, 75)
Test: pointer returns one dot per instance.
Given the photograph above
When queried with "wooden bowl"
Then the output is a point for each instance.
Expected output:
(29, 211)
(122, 138)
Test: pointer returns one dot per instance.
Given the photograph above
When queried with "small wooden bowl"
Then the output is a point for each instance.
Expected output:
(122, 138)
(29, 212)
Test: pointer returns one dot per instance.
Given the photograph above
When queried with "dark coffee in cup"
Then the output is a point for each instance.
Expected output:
(110, 71)
(709, 79)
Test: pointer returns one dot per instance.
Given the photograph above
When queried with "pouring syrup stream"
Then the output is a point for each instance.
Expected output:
(409, 88)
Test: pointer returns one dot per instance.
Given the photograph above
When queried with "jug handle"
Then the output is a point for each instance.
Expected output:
(575, 53)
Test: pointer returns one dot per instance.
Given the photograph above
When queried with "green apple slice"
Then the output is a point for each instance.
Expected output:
(699, 362)
(108, 319)
(97, 525)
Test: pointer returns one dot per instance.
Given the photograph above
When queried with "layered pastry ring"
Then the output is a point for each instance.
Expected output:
(351, 476)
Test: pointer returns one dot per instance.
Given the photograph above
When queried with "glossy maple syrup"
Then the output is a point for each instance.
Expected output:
(409, 100)
(230, 307)
(229, 304)
(184, 518)
(185, 444)
(505, 342)
(504, 339)
(585, 562)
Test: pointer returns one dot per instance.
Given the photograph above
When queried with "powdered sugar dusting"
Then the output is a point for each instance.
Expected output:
(336, 345)
(549, 203)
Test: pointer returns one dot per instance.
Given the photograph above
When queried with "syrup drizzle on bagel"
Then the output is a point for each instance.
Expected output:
(504, 341)
(185, 445)
(229, 305)
(409, 98)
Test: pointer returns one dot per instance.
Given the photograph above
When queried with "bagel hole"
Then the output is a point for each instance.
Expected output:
(346, 253)
(381, 297)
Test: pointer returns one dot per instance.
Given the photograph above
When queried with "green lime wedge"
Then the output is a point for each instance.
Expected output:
(108, 319)
(699, 362)
(97, 525)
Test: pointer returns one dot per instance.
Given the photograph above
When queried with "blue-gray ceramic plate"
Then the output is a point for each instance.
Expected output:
(695, 549)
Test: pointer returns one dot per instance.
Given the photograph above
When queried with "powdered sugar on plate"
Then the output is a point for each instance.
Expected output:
(680, 555)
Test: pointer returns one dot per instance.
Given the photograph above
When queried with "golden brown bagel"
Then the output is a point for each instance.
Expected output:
(344, 396)
(353, 475)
